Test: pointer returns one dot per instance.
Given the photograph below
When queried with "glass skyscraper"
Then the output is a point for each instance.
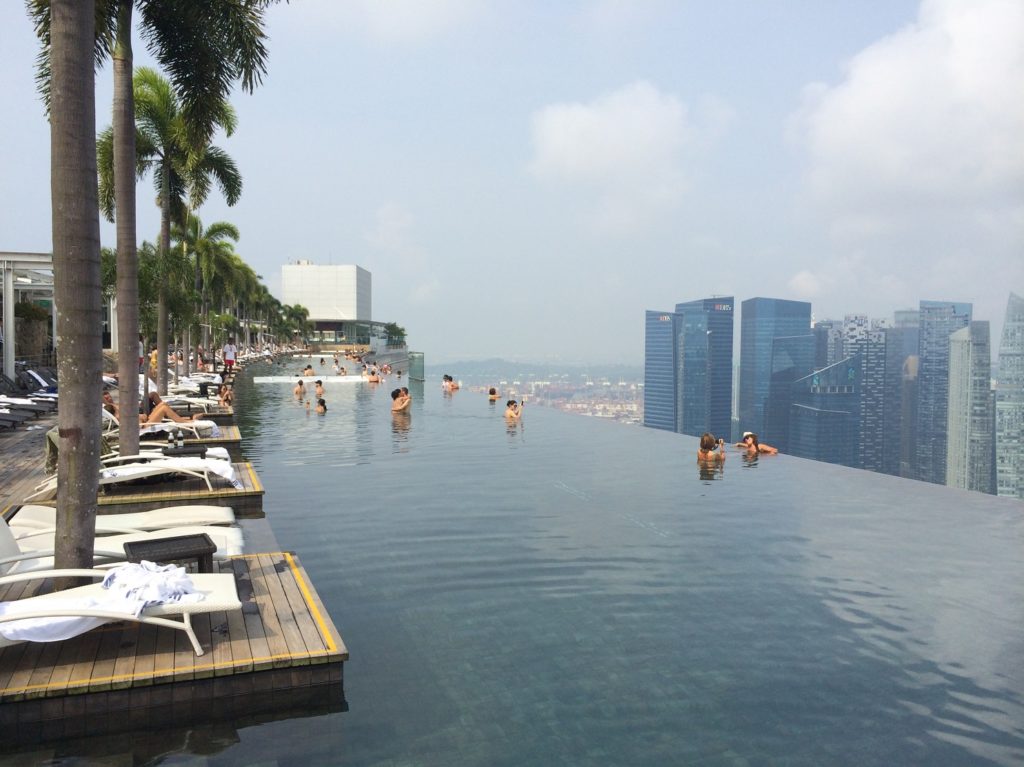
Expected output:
(939, 319)
(661, 406)
(971, 418)
(763, 320)
(705, 377)
(826, 420)
(1010, 403)
(688, 367)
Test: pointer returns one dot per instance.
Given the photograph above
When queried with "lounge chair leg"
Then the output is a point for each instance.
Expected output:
(192, 635)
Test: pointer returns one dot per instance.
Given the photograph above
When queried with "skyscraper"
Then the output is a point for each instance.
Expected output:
(971, 413)
(661, 405)
(763, 320)
(825, 421)
(1010, 403)
(688, 367)
(705, 376)
(939, 319)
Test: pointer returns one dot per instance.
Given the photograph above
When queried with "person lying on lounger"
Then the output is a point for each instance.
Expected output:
(159, 412)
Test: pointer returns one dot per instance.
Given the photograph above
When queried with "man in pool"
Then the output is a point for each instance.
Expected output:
(400, 401)
(299, 390)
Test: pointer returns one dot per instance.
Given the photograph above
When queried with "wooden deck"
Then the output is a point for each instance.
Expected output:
(230, 437)
(281, 627)
(246, 501)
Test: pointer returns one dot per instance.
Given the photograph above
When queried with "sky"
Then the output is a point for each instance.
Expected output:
(524, 179)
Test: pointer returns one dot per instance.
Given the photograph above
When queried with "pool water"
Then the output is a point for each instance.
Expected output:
(569, 590)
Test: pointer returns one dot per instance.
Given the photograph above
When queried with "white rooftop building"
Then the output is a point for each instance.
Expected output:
(330, 293)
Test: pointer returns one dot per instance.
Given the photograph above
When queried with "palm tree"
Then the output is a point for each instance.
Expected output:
(180, 168)
(206, 47)
(76, 274)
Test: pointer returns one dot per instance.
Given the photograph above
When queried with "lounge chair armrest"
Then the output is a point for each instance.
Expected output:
(43, 574)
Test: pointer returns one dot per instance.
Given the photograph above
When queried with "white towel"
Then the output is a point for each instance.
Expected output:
(148, 583)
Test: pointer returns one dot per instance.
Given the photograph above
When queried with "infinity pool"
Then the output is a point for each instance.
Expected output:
(573, 591)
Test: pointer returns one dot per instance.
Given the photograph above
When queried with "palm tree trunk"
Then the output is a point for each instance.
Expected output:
(76, 276)
(127, 258)
(161, 304)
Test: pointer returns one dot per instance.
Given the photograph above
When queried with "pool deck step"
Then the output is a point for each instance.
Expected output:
(282, 629)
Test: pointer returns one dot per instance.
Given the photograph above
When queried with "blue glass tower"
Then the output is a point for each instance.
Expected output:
(688, 367)
(939, 319)
(705, 376)
(763, 320)
(661, 402)
(826, 414)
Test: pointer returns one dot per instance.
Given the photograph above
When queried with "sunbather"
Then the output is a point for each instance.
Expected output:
(159, 412)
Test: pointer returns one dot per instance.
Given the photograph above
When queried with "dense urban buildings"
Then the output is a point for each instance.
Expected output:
(1010, 403)
(911, 396)
(688, 367)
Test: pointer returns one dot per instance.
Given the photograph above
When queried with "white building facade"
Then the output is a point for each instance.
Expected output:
(331, 293)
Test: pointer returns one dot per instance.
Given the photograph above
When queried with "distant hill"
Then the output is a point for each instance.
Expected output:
(500, 369)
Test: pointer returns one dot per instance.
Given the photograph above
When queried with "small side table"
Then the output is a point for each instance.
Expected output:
(177, 548)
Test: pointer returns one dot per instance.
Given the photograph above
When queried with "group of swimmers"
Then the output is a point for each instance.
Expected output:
(712, 450)
(318, 391)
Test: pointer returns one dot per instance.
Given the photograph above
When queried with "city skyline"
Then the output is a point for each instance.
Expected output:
(530, 165)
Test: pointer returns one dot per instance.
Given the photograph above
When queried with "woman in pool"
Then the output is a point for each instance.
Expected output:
(753, 447)
(321, 406)
(492, 394)
(513, 410)
(400, 401)
(711, 450)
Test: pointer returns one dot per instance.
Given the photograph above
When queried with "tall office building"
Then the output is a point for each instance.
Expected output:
(1010, 403)
(828, 343)
(764, 319)
(868, 348)
(705, 376)
(792, 359)
(825, 420)
(688, 368)
(971, 412)
(938, 320)
(661, 405)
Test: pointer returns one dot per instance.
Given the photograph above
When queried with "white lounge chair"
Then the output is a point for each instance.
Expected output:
(35, 552)
(31, 519)
(199, 429)
(158, 465)
(218, 591)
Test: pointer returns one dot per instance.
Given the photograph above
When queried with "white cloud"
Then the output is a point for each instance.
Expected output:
(626, 147)
(926, 120)
(804, 285)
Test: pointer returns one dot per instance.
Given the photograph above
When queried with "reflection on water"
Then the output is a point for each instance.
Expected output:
(711, 470)
(575, 598)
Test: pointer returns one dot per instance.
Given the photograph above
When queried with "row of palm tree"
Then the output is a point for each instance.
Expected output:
(206, 47)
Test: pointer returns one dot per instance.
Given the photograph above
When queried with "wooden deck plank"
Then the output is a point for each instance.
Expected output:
(127, 653)
(62, 668)
(268, 626)
(88, 645)
(294, 643)
(315, 642)
(106, 655)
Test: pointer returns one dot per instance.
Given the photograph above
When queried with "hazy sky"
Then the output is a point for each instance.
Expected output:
(524, 179)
